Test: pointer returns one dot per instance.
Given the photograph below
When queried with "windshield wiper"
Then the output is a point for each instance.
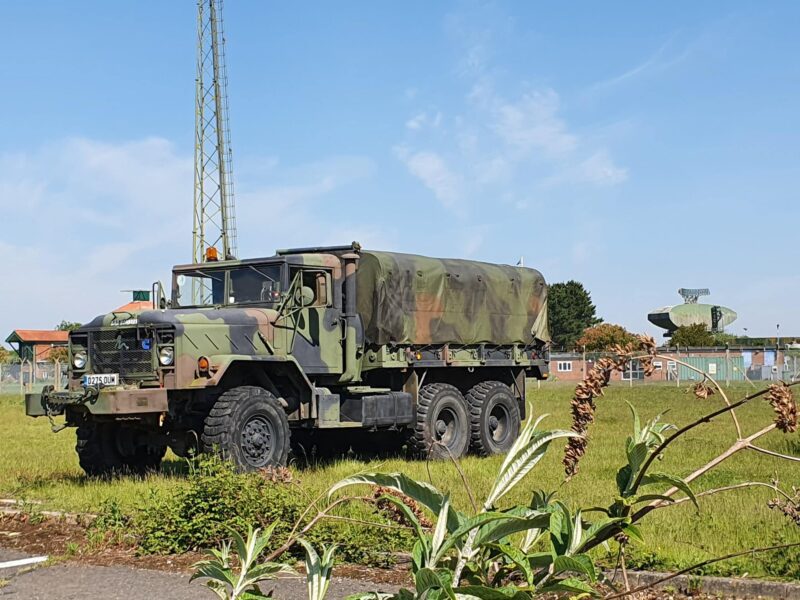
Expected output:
(202, 274)
(262, 273)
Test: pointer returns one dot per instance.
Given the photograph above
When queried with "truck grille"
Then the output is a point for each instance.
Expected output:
(118, 351)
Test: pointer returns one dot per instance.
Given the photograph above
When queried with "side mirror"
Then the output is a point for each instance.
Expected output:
(304, 296)
(159, 297)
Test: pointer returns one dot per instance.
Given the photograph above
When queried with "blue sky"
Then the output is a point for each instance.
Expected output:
(635, 147)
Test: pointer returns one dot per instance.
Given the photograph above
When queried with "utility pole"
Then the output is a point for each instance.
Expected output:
(214, 210)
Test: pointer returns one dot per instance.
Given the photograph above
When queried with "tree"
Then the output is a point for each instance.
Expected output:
(571, 312)
(604, 336)
(67, 326)
(8, 356)
(60, 354)
(722, 338)
(696, 336)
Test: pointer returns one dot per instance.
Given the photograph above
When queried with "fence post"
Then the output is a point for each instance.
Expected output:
(727, 366)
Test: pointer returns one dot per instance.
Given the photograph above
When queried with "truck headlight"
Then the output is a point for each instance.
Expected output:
(166, 355)
(79, 359)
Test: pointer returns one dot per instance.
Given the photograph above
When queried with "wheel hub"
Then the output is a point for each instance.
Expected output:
(445, 426)
(499, 423)
(256, 441)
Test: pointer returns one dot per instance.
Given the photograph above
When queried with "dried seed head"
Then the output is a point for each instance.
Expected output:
(702, 390)
(782, 401)
(591, 387)
(788, 506)
(276, 474)
(394, 513)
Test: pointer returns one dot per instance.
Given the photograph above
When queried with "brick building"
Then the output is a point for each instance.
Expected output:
(734, 364)
(34, 345)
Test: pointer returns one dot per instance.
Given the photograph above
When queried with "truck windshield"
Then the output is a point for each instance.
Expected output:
(246, 284)
(199, 288)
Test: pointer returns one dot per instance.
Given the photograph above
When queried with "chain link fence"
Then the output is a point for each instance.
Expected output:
(20, 378)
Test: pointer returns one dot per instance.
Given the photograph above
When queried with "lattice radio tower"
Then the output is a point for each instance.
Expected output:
(214, 210)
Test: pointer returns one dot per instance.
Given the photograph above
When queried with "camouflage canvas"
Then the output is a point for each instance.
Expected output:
(409, 299)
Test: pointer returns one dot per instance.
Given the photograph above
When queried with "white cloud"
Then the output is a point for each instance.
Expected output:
(597, 170)
(532, 124)
(432, 170)
(658, 62)
(505, 148)
(416, 122)
(422, 120)
(495, 170)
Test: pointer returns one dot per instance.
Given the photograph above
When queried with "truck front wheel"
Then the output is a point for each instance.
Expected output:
(248, 426)
(112, 448)
(442, 428)
(494, 416)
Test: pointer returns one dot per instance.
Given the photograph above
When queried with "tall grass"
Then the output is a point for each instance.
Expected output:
(38, 465)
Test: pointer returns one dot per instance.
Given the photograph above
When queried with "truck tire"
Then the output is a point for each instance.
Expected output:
(443, 424)
(100, 451)
(494, 417)
(248, 426)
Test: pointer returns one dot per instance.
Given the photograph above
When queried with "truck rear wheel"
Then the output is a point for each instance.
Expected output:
(248, 426)
(111, 448)
(442, 427)
(494, 416)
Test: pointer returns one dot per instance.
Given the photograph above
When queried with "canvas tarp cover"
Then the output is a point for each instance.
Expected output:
(408, 299)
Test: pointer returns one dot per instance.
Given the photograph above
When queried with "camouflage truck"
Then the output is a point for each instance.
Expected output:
(248, 355)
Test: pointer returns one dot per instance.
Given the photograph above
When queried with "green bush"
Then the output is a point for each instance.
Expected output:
(217, 500)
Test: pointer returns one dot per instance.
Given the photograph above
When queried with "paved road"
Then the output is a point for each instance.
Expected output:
(67, 581)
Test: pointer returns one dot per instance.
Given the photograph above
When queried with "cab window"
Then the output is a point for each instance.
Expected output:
(255, 284)
(318, 282)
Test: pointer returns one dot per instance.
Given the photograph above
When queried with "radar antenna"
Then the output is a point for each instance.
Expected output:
(692, 295)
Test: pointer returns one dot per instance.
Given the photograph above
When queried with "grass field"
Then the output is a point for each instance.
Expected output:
(38, 465)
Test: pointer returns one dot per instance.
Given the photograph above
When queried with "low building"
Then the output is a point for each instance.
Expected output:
(35, 345)
(724, 364)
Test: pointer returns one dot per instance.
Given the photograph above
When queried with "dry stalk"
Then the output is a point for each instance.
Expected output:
(322, 514)
(717, 386)
(699, 565)
(728, 488)
(740, 444)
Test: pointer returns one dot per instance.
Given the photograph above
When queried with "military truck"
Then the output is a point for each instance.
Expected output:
(250, 354)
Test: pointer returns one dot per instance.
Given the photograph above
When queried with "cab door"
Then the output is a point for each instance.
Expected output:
(316, 336)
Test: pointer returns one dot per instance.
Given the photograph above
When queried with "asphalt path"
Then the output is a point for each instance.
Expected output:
(66, 581)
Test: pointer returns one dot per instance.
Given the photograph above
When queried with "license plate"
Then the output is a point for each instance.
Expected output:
(101, 380)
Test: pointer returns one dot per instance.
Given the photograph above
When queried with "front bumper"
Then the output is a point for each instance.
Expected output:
(107, 401)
